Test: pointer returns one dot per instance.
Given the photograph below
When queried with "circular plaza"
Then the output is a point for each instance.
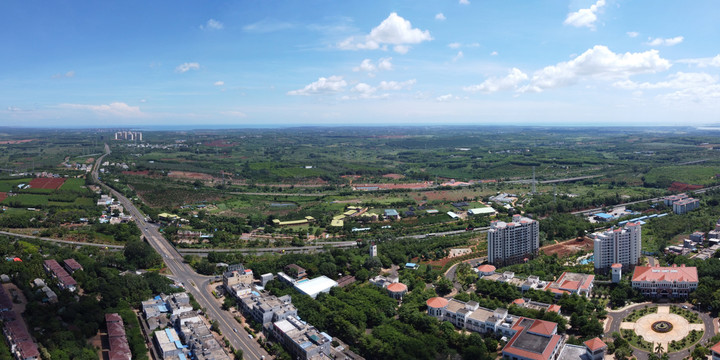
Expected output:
(672, 328)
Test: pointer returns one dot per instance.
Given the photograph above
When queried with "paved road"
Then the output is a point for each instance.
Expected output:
(657, 199)
(617, 317)
(301, 249)
(194, 283)
(66, 242)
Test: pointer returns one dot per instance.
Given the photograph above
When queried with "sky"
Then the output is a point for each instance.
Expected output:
(312, 62)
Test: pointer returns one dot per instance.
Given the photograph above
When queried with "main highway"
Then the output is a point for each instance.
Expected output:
(195, 284)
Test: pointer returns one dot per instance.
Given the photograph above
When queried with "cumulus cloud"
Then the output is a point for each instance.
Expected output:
(212, 24)
(585, 17)
(185, 67)
(514, 77)
(454, 45)
(702, 62)
(394, 30)
(13, 109)
(494, 53)
(323, 85)
(708, 94)
(598, 62)
(367, 65)
(440, 16)
(219, 83)
(464, 2)
(116, 109)
(632, 34)
(679, 80)
(665, 42)
(395, 85)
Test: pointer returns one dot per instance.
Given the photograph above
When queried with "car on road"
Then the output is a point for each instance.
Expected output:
(250, 336)
(235, 329)
(684, 306)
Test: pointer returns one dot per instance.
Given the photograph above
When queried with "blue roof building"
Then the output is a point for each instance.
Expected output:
(391, 212)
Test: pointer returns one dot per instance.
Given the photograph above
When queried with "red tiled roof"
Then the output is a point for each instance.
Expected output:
(662, 273)
(570, 285)
(397, 287)
(716, 348)
(486, 268)
(615, 266)
(518, 301)
(543, 327)
(112, 317)
(545, 355)
(595, 344)
(554, 308)
(437, 302)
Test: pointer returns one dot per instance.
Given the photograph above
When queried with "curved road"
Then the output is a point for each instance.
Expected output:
(194, 283)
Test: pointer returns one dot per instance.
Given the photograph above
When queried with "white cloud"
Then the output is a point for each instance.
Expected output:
(709, 94)
(212, 24)
(632, 34)
(679, 80)
(702, 62)
(458, 56)
(598, 62)
(117, 109)
(514, 77)
(385, 64)
(365, 65)
(219, 83)
(454, 45)
(585, 17)
(665, 42)
(185, 67)
(494, 53)
(143, 100)
(267, 25)
(323, 85)
(68, 74)
(364, 90)
(440, 16)
(445, 97)
(394, 31)
(238, 114)
(14, 109)
(464, 2)
(395, 85)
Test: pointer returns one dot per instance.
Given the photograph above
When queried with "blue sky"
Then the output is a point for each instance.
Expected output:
(264, 63)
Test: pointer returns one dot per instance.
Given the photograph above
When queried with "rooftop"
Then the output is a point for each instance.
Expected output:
(437, 302)
(665, 273)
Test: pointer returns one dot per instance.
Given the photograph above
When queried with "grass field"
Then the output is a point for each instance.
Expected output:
(73, 184)
(11, 185)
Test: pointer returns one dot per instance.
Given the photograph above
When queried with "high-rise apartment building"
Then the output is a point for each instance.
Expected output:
(617, 246)
(510, 243)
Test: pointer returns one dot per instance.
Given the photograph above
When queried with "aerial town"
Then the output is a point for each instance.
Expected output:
(349, 180)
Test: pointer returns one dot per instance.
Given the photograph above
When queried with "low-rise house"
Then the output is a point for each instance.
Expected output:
(533, 340)
(397, 290)
(715, 351)
(295, 271)
(572, 283)
(670, 282)
(64, 280)
(168, 343)
(536, 305)
(119, 347)
(268, 308)
(178, 303)
(237, 276)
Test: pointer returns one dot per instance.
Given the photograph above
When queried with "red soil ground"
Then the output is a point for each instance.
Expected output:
(394, 176)
(4, 142)
(3, 196)
(141, 173)
(189, 175)
(569, 247)
(47, 183)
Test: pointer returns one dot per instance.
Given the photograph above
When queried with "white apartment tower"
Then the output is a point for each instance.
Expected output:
(618, 246)
(373, 250)
(510, 243)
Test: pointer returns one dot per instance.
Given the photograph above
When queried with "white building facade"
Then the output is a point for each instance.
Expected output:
(618, 246)
(510, 243)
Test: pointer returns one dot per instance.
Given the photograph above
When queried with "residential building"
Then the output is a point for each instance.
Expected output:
(21, 344)
(373, 250)
(616, 272)
(119, 347)
(265, 308)
(685, 205)
(536, 305)
(512, 242)
(392, 214)
(468, 315)
(71, 265)
(296, 271)
(201, 343)
(234, 277)
(300, 339)
(485, 270)
(168, 343)
(572, 283)
(64, 280)
(670, 200)
(671, 282)
(617, 246)
(384, 281)
(178, 303)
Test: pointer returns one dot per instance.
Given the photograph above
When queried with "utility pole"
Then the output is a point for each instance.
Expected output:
(534, 188)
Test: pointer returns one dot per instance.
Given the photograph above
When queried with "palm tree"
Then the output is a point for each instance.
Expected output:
(658, 348)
